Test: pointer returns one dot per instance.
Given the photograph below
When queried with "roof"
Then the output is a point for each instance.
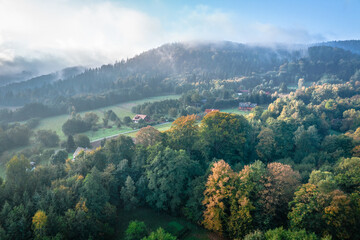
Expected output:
(139, 116)
(79, 150)
(211, 110)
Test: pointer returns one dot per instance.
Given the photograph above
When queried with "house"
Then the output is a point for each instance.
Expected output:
(211, 110)
(246, 106)
(78, 151)
(241, 92)
(138, 117)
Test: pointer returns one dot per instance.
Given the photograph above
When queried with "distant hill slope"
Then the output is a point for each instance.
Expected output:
(42, 80)
(349, 45)
(175, 61)
(172, 68)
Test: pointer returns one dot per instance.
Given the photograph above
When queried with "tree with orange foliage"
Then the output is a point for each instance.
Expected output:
(218, 195)
(148, 136)
(281, 183)
(340, 216)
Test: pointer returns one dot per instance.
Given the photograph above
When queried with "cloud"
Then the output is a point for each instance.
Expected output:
(49, 35)
(89, 34)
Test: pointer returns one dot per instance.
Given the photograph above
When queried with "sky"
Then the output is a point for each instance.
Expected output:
(44, 36)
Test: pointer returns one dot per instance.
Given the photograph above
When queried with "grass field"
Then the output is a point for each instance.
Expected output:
(121, 110)
(235, 110)
(154, 219)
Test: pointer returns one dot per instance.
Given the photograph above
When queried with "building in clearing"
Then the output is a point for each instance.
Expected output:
(138, 117)
(211, 110)
(246, 106)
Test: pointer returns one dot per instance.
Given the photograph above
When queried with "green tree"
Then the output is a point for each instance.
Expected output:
(91, 118)
(347, 174)
(120, 148)
(47, 138)
(265, 149)
(127, 120)
(306, 142)
(94, 192)
(307, 209)
(82, 140)
(17, 174)
(127, 194)
(160, 234)
(59, 157)
(70, 144)
(169, 174)
(224, 136)
(136, 230)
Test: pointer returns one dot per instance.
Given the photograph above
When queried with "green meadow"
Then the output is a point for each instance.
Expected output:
(121, 110)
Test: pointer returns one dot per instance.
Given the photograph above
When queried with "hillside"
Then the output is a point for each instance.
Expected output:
(154, 68)
(349, 45)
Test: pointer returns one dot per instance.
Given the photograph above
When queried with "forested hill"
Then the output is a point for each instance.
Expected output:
(349, 45)
(178, 61)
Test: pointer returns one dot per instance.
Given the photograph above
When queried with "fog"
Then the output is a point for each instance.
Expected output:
(44, 36)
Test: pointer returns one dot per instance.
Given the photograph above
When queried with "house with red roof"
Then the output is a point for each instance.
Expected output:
(138, 117)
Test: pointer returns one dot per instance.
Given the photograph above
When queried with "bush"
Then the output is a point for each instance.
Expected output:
(74, 126)
(47, 138)
(136, 230)
(82, 140)
(33, 123)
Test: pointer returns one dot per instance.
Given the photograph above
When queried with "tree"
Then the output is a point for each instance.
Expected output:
(75, 125)
(348, 174)
(148, 136)
(183, 133)
(70, 144)
(169, 174)
(120, 148)
(324, 180)
(265, 149)
(82, 140)
(94, 192)
(127, 120)
(127, 194)
(17, 174)
(18, 135)
(280, 185)
(306, 142)
(160, 234)
(307, 209)
(47, 138)
(39, 222)
(218, 196)
(224, 136)
(59, 157)
(91, 118)
(136, 230)
(341, 217)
